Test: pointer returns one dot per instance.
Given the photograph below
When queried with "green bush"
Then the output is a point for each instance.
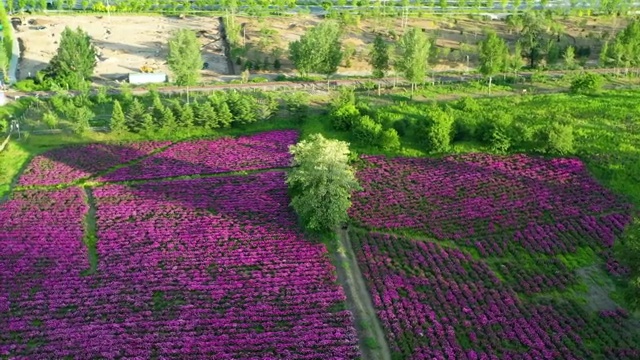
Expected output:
(439, 128)
(259, 79)
(586, 83)
(366, 130)
(343, 117)
(496, 130)
(50, 119)
(389, 140)
(560, 139)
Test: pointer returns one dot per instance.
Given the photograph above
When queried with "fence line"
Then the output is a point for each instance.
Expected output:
(5, 142)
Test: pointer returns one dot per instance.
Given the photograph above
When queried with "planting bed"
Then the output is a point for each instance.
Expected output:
(262, 151)
(439, 303)
(208, 268)
(72, 163)
(493, 203)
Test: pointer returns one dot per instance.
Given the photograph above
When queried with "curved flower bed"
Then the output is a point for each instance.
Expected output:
(41, 258)
(439, 303)
(496, 204)
(72, 163)
(261, 151)
(195, 269)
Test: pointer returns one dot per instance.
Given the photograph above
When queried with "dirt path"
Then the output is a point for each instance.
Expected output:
(599, 286)
(372, 341)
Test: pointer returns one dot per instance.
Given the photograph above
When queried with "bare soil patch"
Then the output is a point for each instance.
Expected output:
(125, 43)
(456, 37)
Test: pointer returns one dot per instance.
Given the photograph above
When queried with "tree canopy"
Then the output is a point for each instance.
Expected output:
(379, 59)
(493, 53)
(413, 59)
(185, 59)
(319, 50)
(75, 60)
(321, 182)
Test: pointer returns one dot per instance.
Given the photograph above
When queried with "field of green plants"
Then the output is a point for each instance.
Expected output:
(495, 227)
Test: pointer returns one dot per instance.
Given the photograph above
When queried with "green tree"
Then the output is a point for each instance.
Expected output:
(225, 117)
(206, 116)
(321, 182)
(379, 58)
(413, 58)
(492, 53)
(75, 60)
(187, 116)
(318, 50)
(81, 117)
(146, 125)
(117, 124)
(184, 59)
(569, 57)
(534, 39)
(168, 120)
(134, 117)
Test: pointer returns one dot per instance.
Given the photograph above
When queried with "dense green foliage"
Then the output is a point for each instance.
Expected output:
(628, 251)
(319, 50)
(379, 60)
(184, 59)
(321, 182)
(413, 56)
(75, 60)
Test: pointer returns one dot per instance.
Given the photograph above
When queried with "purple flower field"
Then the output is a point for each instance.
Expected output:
(72, 163)
(494, 203)
(439, 303)
(261, 151)
(192, 269)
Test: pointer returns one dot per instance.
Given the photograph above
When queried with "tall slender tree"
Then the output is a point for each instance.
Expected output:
(492, 52)
(412, 62)
(185, 59)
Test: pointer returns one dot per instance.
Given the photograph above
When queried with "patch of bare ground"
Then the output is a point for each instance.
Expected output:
(125, 44)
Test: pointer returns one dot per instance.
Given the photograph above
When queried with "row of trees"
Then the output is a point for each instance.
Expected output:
(375, 7)
(320, 50)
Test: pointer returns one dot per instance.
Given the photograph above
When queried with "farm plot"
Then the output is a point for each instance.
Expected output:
(261, 151)
(497, 205)
(439, 303)
(68, 164)
(204, 268)
(41, 260)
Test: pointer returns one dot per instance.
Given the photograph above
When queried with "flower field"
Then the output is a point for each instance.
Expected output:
(440, 303)
(495, 204)
(261, 151)
(207, 268)
(67, 164)
(40, 264)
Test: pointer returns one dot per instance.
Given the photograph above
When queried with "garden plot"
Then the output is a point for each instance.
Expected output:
(125, 44)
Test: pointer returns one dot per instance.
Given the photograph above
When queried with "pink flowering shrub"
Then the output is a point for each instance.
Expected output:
(496, 204)
(67, 164)
(439, 303)
(194, 269)
(261, 151)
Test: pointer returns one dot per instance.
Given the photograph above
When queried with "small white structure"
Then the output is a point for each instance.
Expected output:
(3, 98)
(147, 78)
